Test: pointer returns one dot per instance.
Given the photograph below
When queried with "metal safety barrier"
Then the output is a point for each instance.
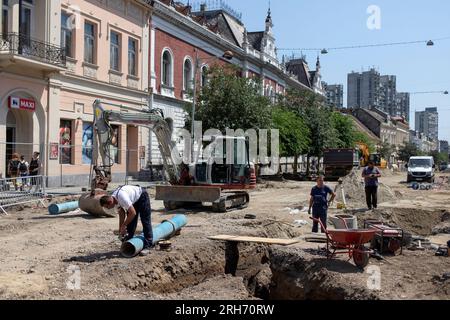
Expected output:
(21, 190)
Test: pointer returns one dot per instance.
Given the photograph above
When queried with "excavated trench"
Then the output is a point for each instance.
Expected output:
(269, 273)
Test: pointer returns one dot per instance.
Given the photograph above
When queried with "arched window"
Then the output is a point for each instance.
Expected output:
(204, 75)
(167, 65)
(187, 75)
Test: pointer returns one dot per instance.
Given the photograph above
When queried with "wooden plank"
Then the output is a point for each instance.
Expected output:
(283, 242)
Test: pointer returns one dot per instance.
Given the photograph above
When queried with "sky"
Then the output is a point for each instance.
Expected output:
(331, 23)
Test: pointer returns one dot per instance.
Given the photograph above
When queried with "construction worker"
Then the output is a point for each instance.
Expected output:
(319, 203)
(371, 175)
(133, 202)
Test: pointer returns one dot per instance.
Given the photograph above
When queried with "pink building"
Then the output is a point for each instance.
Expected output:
(65, 55)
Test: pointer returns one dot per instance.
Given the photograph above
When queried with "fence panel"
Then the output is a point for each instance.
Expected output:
(21, 190)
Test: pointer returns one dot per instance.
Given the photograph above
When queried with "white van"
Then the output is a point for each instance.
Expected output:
(421, 169)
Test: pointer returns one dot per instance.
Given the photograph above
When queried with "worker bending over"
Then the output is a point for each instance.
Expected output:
(319, 203)
(132, 202)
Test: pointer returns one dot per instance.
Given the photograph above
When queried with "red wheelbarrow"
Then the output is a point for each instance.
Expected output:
(349, 241)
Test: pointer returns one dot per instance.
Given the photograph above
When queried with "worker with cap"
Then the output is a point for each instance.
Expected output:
(133, 202)
(319, 203)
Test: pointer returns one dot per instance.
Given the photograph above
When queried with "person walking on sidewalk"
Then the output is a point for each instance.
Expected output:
(371, 175)
(133, 202)
(319, 203)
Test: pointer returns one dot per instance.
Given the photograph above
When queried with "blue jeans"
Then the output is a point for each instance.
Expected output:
(144, 210)
(321, 214)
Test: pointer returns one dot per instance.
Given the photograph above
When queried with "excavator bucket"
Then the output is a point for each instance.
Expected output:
(188, 193)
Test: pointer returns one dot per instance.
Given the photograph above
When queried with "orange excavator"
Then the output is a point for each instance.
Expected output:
(366, 156)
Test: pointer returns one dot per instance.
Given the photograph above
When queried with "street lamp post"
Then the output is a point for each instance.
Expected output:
(228, 55)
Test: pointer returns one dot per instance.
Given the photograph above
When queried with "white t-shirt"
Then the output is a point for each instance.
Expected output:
(127, 196)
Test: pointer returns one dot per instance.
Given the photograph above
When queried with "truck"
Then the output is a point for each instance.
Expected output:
(421, 169)
(338, 163)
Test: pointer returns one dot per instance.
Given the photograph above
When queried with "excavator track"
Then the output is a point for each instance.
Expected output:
(231, 200)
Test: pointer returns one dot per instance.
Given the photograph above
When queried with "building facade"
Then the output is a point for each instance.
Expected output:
(370, 89)
(334, 94)
(423, 142)
(186, 42)
(443, 147)
(427, 122)
(65, 55)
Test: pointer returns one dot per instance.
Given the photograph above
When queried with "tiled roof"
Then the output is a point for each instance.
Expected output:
(301, 70)
(255, 39)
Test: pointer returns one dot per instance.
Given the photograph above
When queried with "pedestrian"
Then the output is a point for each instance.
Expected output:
(371, 175)
(319, 203)
(23, 171)
(133, 202)
(13, 169)
(35, 165)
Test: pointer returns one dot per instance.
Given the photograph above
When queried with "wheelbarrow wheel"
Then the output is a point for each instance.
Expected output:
(361, 257)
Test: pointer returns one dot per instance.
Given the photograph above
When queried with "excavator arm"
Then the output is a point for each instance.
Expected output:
(104, 141)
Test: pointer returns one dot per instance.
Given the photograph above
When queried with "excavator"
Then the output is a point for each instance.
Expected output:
(210, 180)
(366, 156)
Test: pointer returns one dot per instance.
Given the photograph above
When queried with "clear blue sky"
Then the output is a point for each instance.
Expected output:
(331, 23)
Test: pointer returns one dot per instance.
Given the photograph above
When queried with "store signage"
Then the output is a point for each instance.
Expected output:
(22, 104)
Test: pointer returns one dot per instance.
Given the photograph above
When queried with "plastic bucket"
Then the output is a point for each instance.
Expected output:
(351, 221)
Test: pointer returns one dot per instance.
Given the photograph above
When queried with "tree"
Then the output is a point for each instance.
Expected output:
(408, 150)
(345, 130)
(439, 157)
(294, 133)
(230, 101)
(386, 150)
(311, 108)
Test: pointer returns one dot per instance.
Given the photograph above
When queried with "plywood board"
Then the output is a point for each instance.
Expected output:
(283, 242)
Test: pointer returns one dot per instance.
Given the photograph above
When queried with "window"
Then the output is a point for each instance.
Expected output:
(187, 75)
(5, 22)
(89, 43)
(167, 69)
(65, 141)
(115, 147)
(132, 61)
(87, 142)
(25, 28)
(115, 51)
(204, 76)
(66, 34)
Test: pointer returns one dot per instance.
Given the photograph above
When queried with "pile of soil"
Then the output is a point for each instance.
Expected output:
(415, 221)
(355, 196)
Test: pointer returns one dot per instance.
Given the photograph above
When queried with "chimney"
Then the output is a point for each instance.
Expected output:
(203, 7)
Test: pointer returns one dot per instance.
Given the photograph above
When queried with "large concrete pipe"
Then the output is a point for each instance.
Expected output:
(58, 208)
(165, 230)
(91, 204)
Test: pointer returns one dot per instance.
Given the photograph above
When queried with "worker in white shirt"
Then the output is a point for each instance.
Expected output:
(133, 202)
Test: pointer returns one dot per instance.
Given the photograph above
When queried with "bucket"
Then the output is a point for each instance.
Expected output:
(352, 221)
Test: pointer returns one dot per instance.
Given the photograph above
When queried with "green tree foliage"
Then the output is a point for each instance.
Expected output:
(386, 150)
(294, 133)
(231, 101)
(439, 157)
(408, 150)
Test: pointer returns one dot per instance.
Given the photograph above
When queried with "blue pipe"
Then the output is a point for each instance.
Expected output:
(63, 207)
(165, 230)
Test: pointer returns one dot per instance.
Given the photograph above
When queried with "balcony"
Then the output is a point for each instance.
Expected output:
(29, 52)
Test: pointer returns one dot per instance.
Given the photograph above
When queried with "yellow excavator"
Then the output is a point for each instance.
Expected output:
(366, 156)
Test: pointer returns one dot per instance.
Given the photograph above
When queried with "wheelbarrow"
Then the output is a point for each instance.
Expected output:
(349, 241)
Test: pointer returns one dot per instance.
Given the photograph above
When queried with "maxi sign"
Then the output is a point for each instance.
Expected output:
(23, 104)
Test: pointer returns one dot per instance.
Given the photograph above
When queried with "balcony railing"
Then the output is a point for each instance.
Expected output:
(33, 49)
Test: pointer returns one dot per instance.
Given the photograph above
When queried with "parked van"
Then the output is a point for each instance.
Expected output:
(421, 169)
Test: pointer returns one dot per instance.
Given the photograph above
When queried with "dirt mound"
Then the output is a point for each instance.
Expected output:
(355, 196)
(416, 221)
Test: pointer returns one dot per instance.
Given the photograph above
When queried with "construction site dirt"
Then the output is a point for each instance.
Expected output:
(75, 256)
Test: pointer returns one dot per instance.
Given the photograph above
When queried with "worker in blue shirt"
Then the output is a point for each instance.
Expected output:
(371, 175)
(319, 203)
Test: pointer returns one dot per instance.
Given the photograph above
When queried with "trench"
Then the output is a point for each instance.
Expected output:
(275, 273)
